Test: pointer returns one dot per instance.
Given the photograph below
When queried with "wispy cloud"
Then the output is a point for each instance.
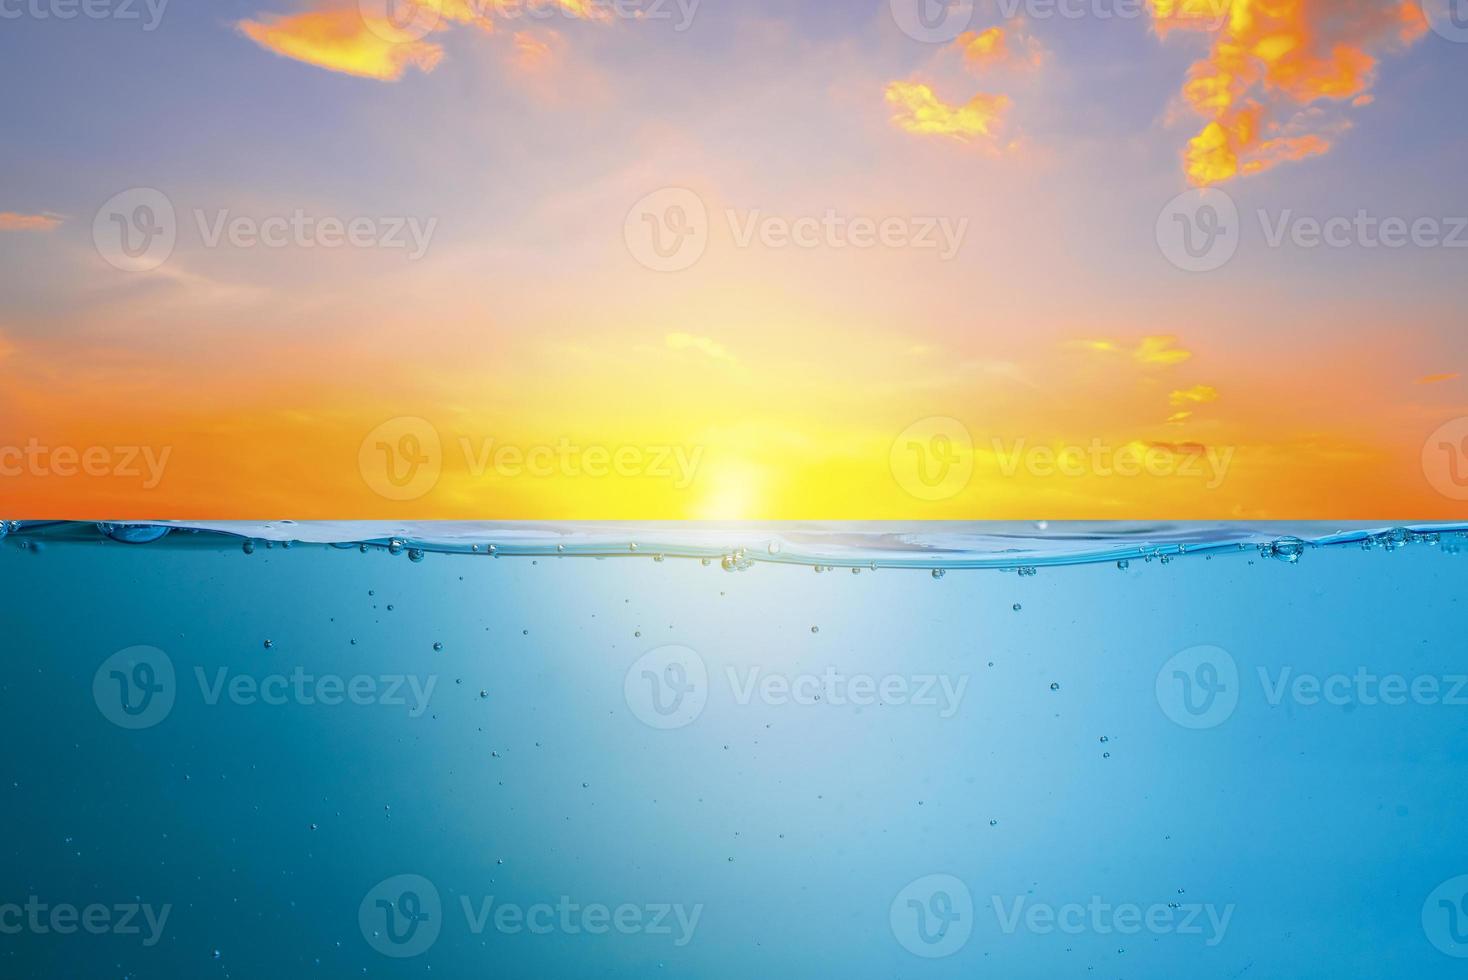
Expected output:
(354, 37)
(1196, 395)
(1158, 350)
(1434, 379)
(10, 221)
(919, 110)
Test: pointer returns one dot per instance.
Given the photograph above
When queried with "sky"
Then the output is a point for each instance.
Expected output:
(759, 260)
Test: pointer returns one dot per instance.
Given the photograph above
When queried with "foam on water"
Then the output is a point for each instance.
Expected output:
(738, 546)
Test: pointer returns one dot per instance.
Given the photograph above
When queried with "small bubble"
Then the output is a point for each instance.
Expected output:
(1017, 607)
(1054, 686)
(395, 547)
(815, 629)
(938, 573)
(269, 644)
(438, 647)
(249, 547)
(415, 554)
(993, 823)
(483, 694)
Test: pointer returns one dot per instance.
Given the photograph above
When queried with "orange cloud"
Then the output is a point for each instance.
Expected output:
(921, 111)
(1433, 379)
(1270, 64)
(10, 221)
(355, 38)
(1000, 47)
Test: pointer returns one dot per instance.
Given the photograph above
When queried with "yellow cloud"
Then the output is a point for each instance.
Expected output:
(1270, 63)
(1000, 47)
(343, 39)
(704, 345)
(1196, 395)
(921, 111)
(10, 221)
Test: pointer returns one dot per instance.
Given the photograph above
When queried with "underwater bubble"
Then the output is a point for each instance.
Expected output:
(856, 571)
(415, 554)
(438, 647)
(248, 547)
(774, 548)
(133, 533)
(1017, 607)
(938, 573)
(269, 644)
(993, 823)
(1287, 550)
(637, 633)
(632, 547)
(362, 548)
(815, 629)
(1054, 686)
(483, 693)
(705, 562)
(395, 547)
(1123, 564)
(1105, 738)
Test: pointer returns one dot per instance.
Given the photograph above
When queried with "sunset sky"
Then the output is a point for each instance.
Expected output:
(612, 259)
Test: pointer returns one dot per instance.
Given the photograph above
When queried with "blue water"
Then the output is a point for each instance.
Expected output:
(1113, 751)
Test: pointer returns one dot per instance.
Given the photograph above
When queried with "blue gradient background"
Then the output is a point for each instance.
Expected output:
(1325, 827)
